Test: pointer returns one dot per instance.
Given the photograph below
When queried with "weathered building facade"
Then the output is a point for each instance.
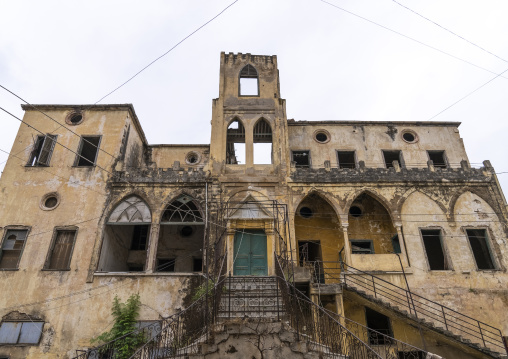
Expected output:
(90, 210)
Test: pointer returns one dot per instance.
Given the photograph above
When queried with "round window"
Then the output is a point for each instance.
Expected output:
(50, 201)
(409, 136)
(186, 231)
(305, 212)
(74, 118)
(192, 158)
(355, 211)
(322, 136)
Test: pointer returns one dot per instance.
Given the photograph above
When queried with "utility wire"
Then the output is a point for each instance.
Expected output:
(408, 37)
(451, 32)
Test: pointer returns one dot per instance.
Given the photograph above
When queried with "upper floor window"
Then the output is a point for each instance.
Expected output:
(12, 247)
(301, 158)
(249, 82)
(235, 143)
(433, 244)
(480, 247)
(42, 150)
(392, 156)
(262, 139)
(60, 252)
(346, 159)
(438, 158)
(87, 151)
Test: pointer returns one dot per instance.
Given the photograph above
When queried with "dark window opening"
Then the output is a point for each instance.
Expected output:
(391, 156)
(408, 137)
(478, 241)
(362, 246)
(434, 249)
(21, 332)
(346, 159)
(381, 332)
(12, 247)
(197, 264)
(50, 202)
(438, 158)
(139, 238)
(305, 212)
(88, 149)
(61, 250)
(396, 244)
(135, 268)
(262, 142)
(235, 143)
(76, 118)
(309, 253)
(42, 150)
(302, 158)
(186, 231)
(165, 265)
(355, 211)
(321, 137)
(249, 82)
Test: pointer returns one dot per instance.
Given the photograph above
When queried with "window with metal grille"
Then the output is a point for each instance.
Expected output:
(60, 253)
(20, 332)
(42, 150)
(12, 248)
(381, 332)
(249, 82)
(480, 247)
(88, 150)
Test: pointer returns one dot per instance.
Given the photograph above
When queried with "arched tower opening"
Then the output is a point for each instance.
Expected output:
(235, 143)
(262, 137)
(248, 81)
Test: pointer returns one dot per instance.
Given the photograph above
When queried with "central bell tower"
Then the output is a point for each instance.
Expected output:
(249, 123)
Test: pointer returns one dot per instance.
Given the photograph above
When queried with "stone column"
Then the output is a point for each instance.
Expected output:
(339, 303)
(249, 145)
(347, 245)
(151, 253)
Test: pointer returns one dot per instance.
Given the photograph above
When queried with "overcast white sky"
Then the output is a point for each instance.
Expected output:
(333, 65)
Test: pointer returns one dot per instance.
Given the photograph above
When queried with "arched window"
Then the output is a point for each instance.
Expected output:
(126, 236)
(263, 142)
(249, 82)
(180, 247)
(235, 143)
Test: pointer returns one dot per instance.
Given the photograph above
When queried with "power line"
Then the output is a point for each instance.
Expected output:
(408, 37)
(451, 32)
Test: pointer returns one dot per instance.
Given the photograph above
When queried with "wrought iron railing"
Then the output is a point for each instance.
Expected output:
(325, 333)
(422, 308)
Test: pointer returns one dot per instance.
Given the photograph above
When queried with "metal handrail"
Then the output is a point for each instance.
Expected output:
(490, 336)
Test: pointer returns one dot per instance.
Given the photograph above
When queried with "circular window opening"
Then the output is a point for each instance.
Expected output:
(409, 136)
(50, 201)
(186, 231)
(305, 212)
(74, 118)
(355, 211)
(192, 158)
(321, 137)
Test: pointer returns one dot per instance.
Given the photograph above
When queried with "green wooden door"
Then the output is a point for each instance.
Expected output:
(250, 253)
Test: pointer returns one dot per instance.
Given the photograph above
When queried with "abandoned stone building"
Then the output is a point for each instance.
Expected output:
(382, 228)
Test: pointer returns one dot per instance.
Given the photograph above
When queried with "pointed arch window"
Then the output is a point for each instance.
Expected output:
(249, 81)
(235, 143)
(263, 143)
(182, 210)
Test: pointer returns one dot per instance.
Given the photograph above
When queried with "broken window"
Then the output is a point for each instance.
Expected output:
(380, 325)
(480, 247)
(12, 248)
(362, 246)
(235, 143)
(302, 158)
(434, 249)
(60, 253)
(42, 150)
(87, 151)
(126, 236)
(391, 156)
(20, 332)
(181, 234)
(249, 82)
(438, 158)
(346, 159)
(309, 253)
(262, 142)
(396, 244)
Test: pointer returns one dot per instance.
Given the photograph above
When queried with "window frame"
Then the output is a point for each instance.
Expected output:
(370, 241)
(445, 158)
(446, 256)
(248, 77)
(488, 242)
(32, 156)
(19, 335)
(310, 158)
(401, 158)
(80, 148)
(4, 236)
(355, 164)
(52, 247)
